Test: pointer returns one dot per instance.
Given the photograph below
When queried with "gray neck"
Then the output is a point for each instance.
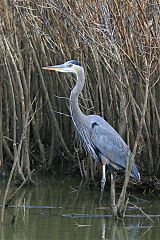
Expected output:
(76, 112)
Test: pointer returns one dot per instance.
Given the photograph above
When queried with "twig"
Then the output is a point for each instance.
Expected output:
(82, 225)
(139, 208)
(19, 188)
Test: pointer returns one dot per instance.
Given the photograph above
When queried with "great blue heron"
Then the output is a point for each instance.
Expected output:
(100, 139)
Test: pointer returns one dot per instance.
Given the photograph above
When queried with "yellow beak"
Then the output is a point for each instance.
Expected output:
(59, 68)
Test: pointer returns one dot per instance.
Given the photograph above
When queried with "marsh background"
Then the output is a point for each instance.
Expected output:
(117, 42)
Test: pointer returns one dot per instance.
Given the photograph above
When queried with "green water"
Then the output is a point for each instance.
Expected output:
(75, 215)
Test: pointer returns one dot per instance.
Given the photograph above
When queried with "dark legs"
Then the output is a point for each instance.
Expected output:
(113, 192)
(113, 197)
(103, 181)
(118, 210)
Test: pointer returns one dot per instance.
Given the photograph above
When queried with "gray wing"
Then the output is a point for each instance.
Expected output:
(104, 143)
(108, 142)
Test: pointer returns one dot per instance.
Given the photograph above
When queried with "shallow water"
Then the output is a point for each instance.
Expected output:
(57, 210)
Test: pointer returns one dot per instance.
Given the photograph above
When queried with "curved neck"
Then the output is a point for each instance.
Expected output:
(74, 107)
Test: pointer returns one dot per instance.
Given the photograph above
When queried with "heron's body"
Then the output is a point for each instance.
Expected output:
(103, 143)
(100, 139)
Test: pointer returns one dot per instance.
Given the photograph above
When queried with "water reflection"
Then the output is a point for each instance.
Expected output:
(56, 210)
(119, 230)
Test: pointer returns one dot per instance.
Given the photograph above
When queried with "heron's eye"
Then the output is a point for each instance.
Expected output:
(70, 65)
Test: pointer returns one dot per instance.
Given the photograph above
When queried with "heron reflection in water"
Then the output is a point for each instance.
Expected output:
(99, 138)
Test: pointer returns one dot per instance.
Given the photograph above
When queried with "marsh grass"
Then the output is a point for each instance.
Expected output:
(118, 44)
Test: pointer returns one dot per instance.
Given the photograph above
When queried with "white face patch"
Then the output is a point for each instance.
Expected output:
(75, 68)
(72, 66)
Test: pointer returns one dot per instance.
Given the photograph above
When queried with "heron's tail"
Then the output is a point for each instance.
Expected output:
(135, 173)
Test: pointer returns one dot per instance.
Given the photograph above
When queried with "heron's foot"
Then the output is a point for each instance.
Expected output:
(103, 181)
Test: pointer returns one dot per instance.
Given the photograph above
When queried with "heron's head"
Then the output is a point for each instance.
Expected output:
(71, 66)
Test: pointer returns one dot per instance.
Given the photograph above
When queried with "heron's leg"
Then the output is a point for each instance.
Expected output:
(113, 196)
(103, 181)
